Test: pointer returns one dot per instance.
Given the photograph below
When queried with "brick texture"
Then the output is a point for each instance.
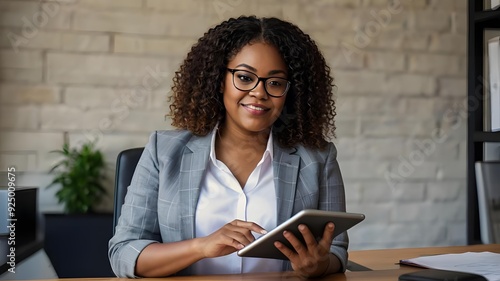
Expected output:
(90, 69)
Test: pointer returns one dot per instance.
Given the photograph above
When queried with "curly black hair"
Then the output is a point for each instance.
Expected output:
(308, 114)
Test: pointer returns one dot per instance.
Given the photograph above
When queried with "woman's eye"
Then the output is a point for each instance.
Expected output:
(245, 78)
(275, 83)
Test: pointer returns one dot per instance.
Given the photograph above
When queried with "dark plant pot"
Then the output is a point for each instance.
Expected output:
(77, 245)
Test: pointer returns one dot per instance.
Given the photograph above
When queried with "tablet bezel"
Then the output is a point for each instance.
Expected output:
(316, 220)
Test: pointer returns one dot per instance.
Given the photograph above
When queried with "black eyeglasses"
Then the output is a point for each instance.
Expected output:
(246, 81)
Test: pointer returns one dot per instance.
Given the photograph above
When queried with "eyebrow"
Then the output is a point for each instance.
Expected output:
(272, 72)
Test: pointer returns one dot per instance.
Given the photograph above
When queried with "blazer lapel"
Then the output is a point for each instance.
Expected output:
(286, 169)
(193, 165)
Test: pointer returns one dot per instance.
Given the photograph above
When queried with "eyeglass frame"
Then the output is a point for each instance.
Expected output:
(264, 80)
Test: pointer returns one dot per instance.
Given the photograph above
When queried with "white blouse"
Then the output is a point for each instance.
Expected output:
(222, 200)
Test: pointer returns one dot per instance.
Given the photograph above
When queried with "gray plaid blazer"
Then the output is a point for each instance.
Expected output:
(162, 198)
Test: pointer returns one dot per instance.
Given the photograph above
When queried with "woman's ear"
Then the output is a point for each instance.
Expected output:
(221, 87)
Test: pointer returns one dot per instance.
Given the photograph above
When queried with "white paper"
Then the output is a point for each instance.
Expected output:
(486, 264)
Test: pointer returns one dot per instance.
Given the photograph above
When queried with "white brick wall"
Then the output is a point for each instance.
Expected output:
(76, 70)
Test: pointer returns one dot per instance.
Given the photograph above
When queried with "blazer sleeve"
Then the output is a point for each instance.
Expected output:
(137, 226)
(332, 198)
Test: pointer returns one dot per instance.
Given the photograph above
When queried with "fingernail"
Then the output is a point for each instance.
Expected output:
(241, 246)
(263, 231)
(302, 227)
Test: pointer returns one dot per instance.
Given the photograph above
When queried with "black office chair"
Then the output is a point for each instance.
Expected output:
(125, 166)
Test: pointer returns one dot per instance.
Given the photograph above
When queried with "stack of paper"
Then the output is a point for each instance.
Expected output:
(486, 264)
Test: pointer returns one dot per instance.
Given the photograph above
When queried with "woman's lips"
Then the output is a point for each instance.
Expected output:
(255, 109)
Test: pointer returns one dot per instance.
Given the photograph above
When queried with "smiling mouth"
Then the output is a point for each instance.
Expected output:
(253, 107)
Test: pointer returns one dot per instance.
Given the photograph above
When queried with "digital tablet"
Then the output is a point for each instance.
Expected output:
(316, 220)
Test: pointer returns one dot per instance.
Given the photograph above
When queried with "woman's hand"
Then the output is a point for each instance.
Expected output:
(229, 238)
(313, 258)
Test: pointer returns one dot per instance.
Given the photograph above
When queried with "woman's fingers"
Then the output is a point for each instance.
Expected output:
(231, 237)
(310, 258)
(240, 232)
(326, 240)
(300, 248)
(250, 226)
(240, 235)
(310, 244)
(310, 247)
(289, 253)
(309, 238)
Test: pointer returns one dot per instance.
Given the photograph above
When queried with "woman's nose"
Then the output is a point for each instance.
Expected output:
(259, 91)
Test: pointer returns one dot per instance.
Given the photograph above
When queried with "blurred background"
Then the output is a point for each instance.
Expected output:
(73, 71)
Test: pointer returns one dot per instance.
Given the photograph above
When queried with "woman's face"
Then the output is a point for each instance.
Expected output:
(253, 111)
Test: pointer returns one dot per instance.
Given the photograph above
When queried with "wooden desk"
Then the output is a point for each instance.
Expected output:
(377, 275)
(389, 258)
(384, 263)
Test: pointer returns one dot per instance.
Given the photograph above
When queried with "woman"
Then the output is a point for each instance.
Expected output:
(254, 107)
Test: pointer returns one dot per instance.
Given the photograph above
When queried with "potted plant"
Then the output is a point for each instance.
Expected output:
(79, 175)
